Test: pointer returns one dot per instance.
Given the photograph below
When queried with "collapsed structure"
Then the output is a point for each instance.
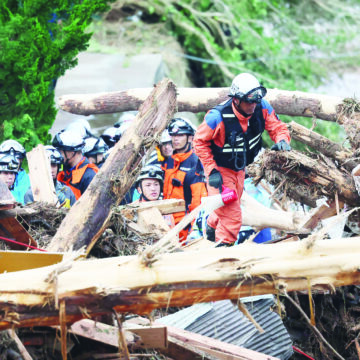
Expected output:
(75, 288)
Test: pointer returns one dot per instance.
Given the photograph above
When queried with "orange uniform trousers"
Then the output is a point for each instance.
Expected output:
(227, 219)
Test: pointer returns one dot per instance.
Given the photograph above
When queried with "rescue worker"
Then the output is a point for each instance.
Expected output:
(22, 180)
(111, 136)
(9, 167)
(163, 150)
(78, 171)
(184, 177)
(149, 184)
(95, 149)
(65, 195)
(228, 139)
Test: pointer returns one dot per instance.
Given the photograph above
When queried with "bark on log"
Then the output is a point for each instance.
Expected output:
(323, 145)
(94, 287)
(86, 217)
(293, 103)
(310, 178)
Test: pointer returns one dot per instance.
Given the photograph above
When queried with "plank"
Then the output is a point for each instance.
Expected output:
(42, 183)
(12, 229)
(152, 220)
(220, 349)
(154, 336)
(168, 206)
(7, 200)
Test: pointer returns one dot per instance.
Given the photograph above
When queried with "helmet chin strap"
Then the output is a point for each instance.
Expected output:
(183, 149)
(66, 162)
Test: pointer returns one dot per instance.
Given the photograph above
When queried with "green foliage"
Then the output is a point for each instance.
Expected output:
(39, 41)
(287, 44)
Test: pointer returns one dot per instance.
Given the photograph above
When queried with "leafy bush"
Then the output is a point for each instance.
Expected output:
(39, 41)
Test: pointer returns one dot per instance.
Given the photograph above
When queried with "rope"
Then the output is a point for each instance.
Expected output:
(302, 353)
(19, 243)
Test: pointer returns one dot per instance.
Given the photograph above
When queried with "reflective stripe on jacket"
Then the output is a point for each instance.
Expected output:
(240, 148)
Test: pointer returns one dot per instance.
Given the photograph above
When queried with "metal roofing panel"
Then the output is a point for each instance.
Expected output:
(221, 320)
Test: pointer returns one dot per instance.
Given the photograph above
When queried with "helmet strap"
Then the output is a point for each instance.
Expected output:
(186, 148)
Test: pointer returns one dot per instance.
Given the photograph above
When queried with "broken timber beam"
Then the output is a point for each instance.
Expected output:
(127, 284)
(84, 222)
(293, 103)
(316, 177)
(323, 145)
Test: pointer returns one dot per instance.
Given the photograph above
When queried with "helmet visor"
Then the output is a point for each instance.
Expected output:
(255, 95)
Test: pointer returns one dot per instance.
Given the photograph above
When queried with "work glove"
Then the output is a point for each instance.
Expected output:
(281, 145)
(215, 179)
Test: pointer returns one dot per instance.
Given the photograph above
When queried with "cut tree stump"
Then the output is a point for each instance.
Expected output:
(84, 222)
(293, 103)
(42, 184)
(128, 284)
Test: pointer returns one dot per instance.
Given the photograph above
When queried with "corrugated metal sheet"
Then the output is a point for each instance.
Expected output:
(221, 320)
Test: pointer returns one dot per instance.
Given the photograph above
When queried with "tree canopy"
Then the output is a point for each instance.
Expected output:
(39, 41)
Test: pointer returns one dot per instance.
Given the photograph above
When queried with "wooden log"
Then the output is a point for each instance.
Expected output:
(42, 184)
(154, 336)
(258, 216)
(317, 176)
(322, 144)
(93, 287)
(82, 224)
(221, 350)
(293, 103)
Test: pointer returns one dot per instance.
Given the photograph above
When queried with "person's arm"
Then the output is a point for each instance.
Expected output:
(211, 129)
(86, 179)
(273, 125)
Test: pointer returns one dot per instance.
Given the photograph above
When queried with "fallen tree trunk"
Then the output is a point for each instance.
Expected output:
(82, 225)
(314, 177)
(323, 145)
(293, 103)
(128, 284)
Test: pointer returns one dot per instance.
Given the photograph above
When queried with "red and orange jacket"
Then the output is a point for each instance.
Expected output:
(79, 177)
(212, 131)
(184, 179)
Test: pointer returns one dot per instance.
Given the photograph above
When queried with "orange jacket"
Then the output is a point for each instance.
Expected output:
(212, 129)
(78, 179)
(184, 179)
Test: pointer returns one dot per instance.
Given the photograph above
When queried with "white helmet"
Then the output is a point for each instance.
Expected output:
(127, 116)
(165, 137)
(94, 146)
(246, 87)
(14, 147)
(79, 127)
(68, 141)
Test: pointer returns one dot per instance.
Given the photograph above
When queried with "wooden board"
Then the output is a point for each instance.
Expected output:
(168, 206)
(42, 184)
(23, 260)
(154, 336)
(152, 220)
(11, 228)
(217, 348)
(7, 200)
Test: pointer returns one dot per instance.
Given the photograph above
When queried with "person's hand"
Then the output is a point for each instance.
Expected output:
(215, 179)
(281, 145)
